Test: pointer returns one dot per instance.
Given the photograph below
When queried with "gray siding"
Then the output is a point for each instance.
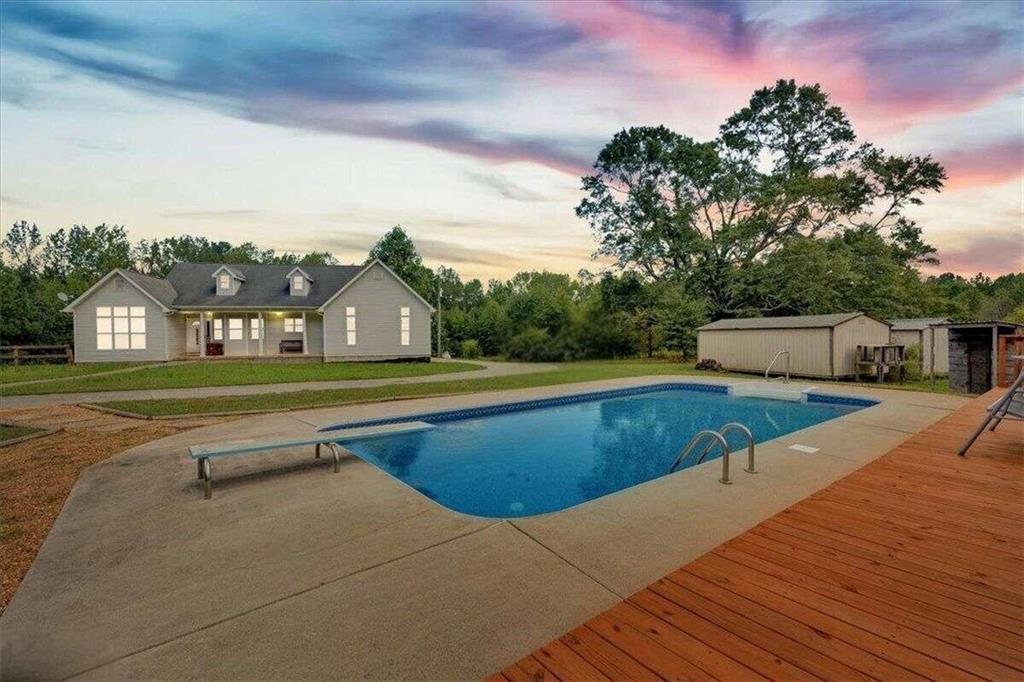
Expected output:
(377, 297)
(176, 335)
(118, 291)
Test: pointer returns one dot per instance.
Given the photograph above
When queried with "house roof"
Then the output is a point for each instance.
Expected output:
(917, 323)
(160, 289)
(791, 322)
(265, 285)
(231, 271)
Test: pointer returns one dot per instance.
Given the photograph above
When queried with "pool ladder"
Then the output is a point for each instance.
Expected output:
(772, 364)
(710, 439)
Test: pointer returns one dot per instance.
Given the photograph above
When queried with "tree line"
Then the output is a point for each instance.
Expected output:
(784, 213)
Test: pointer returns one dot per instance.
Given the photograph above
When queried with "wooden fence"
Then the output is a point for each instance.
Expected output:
(32, 354)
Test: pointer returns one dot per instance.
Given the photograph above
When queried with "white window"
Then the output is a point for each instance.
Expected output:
(404, 316)
(235, 329)
(225, 282)
(255, 328)
(298, 283)
(350, 325)
(121, 328)
(218, 329)
(293, 325)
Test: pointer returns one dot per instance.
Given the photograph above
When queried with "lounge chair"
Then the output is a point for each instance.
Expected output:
(1010, 406)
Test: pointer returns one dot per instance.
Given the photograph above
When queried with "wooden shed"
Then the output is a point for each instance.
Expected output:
(819, 345)
(974, 354)
(931, 333)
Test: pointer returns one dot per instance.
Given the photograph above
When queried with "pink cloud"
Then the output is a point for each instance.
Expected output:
(985, 165)
(993, 254)
(884, 79)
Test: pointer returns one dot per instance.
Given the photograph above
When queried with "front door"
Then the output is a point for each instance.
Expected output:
(192, 333)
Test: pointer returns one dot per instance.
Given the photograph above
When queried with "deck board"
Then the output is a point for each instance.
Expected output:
(911, 568)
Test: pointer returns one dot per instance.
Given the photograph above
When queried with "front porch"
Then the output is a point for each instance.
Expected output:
(264, 334)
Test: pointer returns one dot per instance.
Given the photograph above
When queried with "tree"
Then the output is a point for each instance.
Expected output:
(20, 247)
(396, 250)
(784, 166)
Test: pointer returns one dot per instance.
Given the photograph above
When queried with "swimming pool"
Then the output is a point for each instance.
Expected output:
(521, 459)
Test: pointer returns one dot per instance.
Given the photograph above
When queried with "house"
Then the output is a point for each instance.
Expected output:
(931, 335)
(822, 346)
(328, 312)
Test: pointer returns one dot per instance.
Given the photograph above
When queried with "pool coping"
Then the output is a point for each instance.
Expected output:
(811, 394)
(142, 578)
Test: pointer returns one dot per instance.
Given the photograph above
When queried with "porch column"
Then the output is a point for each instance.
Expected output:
(246, 332)
(263, 331)
(305, 337)
(202, 334)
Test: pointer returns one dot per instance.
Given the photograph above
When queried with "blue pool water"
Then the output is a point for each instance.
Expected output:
(540, 457)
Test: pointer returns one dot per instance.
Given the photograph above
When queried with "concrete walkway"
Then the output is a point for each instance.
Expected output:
(491, 369)
(292, 571)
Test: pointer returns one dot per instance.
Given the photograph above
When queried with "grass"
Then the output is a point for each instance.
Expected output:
(13, 373)
(12, 431)
(572, 373)
(227, 373)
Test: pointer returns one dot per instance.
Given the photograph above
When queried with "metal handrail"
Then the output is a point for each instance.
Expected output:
(772, 364)
(736, 426)
(697, 438)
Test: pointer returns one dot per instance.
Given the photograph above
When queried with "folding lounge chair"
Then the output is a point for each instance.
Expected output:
(1010, 406)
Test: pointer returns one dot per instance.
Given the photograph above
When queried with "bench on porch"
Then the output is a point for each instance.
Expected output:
(202, 454)
(290, 346)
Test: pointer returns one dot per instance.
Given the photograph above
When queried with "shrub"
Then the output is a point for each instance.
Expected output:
(469, 349)
(535, 345)
(709, 364)
(911, 363)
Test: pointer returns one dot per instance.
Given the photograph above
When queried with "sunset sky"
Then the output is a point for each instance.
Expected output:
(304, 126)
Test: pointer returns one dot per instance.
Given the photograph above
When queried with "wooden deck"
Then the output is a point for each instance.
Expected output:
(909, 568)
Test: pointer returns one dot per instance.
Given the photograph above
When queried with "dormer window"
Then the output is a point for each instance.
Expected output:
(299, 282)
(228, 280)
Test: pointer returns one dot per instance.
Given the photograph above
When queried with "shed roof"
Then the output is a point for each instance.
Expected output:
(265, 285)
(917, 323)
(983, 324)
(790, 322)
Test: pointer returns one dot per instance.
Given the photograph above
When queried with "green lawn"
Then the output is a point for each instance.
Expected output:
(575, 372)
(10, 431)
(572, 373)
(10, 373)
(227, 373)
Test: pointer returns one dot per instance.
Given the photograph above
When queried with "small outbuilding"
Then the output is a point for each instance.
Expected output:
(931, 334)
(974, 354)
(823, 346)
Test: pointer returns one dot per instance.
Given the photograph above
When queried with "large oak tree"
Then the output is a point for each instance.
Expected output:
(785, 166)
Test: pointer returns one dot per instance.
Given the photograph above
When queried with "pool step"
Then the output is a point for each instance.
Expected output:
(772, 391)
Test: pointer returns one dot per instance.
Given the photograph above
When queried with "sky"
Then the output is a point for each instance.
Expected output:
(318, 126)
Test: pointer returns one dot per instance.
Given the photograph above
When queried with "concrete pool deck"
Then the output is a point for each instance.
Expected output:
(294, 571)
